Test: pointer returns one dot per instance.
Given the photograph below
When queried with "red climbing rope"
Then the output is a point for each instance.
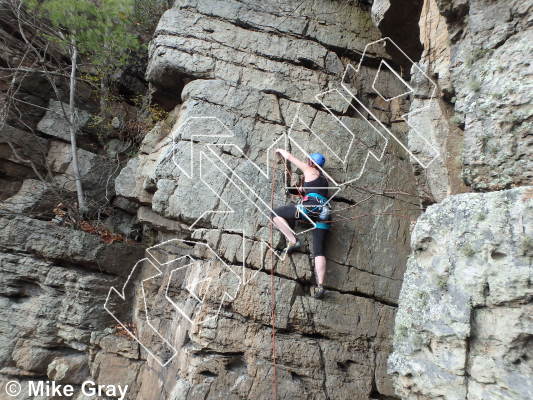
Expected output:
(272, 267)
(273, 290)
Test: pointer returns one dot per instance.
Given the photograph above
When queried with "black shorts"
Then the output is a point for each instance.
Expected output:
(288, 213)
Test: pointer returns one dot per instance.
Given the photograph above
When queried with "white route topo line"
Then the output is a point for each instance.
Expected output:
(209, 154)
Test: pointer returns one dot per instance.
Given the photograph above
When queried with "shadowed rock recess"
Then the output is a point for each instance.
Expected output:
(428, 287)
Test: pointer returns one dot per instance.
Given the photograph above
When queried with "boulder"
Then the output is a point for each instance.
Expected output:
(29, 148)
(463, 328)
(52, 242)
(35, 198)
(97, 172)
(72, 369)
(56, 121)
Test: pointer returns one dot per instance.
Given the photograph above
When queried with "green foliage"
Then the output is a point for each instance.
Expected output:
(100, 29)
(474, 85)
(468, 250)
(442, 283)
(148, 12)
(157, 113)
(153, 112)
(456, 120)
(95, 121)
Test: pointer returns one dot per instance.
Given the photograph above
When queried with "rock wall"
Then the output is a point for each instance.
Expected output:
(247, 70)
(463, 329)
(437, 121)
(489, 43)
(54, 276)
(476, 51)
(53, 280)
(239, 78)
(254, 71)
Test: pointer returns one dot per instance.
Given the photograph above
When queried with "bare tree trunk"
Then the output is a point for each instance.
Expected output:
(104, 93)
(73, 126)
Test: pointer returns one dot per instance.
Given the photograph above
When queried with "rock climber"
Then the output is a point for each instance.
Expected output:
(313, 207)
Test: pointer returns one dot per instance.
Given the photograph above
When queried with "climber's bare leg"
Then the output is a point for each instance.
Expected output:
(284, 227)
(320, 269)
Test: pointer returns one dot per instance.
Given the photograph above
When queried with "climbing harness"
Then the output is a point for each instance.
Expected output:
(320, 211)
(324, 222)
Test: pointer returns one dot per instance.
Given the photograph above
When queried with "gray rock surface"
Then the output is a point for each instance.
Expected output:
(251, 67)
(53, 283)
(28, 148)
(52, 242)
(257, 45)
(262, 72)
(35, 198)
(477, 52)
(434, 126)
(56, 121)
(22, 156)
(69, 369)
(97, 172)
(489, 72)
(53, 279)
(463, 328)
(479, 118)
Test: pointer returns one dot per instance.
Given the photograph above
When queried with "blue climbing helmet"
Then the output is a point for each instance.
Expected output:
(318, 158)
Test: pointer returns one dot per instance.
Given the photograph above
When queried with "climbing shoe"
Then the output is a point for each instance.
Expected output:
(292, 248)
(319, 292)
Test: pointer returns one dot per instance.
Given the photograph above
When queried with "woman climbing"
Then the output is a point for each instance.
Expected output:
(313, 207)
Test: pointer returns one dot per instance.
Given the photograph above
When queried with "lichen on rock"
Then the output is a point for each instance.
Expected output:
(438, 312)
(463, 323)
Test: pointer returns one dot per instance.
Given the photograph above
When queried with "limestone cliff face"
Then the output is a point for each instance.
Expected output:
(252, 71)
(489, 47)
(463, 328)
(237, 77)
(477, 53)
(53, 279)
